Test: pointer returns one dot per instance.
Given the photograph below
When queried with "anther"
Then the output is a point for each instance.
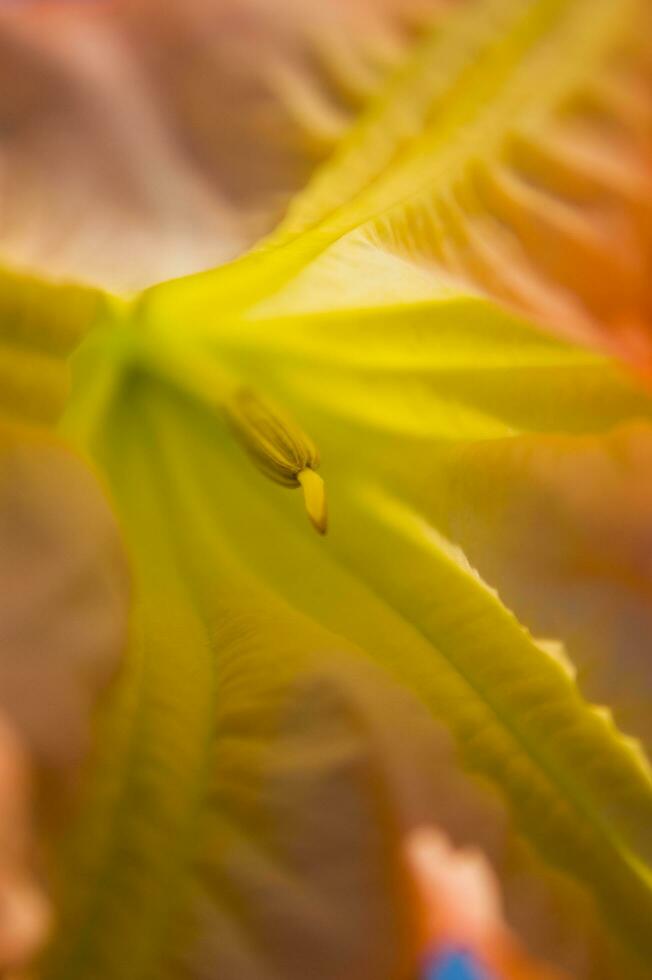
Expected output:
(314, 496)
(280, 449)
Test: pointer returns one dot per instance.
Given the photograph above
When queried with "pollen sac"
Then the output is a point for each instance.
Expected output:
(279, 448)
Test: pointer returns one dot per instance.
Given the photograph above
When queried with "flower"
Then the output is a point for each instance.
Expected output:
(435, 320)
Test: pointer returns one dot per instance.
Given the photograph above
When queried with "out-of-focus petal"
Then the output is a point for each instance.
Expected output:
(562, 526)
(41, 322)
(461, 909)
(536, 192)
(63, 595)
(24, 911)
(143, 141)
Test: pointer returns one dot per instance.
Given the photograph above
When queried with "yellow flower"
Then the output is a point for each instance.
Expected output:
(434, 321)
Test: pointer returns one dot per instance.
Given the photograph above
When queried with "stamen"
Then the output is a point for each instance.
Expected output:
(280, 449)
(314, 495)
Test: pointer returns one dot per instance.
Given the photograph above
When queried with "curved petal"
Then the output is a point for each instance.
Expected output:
(508, 157)
(561, 526)
(237, 591)
(142, 142)
(245, 774)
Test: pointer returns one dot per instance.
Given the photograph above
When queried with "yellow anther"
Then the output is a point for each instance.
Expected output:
(314, 495)
(279, 448)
